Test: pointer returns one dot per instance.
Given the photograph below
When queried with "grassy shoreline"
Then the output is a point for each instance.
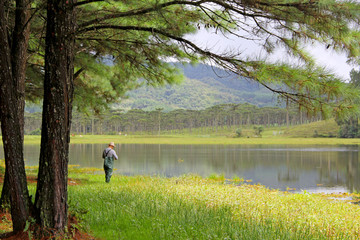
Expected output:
(191, 207)
(187, 139)
(298, 134)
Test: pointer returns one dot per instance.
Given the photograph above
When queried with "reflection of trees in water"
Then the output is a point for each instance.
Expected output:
(340, 168)
(305, 167)
(330, 169)
(353, 172)
(290, 175)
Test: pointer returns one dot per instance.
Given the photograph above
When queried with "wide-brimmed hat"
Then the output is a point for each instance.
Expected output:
(112, 144)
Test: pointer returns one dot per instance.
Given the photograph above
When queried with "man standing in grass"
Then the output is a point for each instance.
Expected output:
(109, 154)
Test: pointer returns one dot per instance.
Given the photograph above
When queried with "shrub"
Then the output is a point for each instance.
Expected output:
(35, 132)
(316, 134)
(238, 132)
(349, 129)
(258, 130)
(112, 133)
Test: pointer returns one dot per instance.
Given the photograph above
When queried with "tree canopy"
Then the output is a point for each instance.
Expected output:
(139, 37)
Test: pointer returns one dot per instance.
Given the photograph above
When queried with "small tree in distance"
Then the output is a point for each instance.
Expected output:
(258, 130)
(238, 133)
(349, 128)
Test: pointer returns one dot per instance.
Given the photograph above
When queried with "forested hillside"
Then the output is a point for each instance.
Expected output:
(203, 87)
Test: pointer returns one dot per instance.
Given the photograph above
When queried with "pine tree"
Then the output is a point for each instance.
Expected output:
(13, 54)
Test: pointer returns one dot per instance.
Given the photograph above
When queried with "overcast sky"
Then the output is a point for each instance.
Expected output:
(325, 57)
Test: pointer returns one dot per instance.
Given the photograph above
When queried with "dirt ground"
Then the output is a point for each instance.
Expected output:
(6, 224)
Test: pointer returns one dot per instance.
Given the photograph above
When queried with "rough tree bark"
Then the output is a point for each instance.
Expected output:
(51, 195)
(19, 43)
(12, 91)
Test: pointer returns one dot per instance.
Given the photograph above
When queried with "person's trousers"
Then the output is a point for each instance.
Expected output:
(108, 168)
(108, 173)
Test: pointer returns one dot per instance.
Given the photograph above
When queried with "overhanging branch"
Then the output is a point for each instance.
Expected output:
(86, 2)
(229, 60)
(139, 11)
(77, 74)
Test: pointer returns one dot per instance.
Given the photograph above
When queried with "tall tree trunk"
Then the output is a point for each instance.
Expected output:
(13, 59)
(287, 112)
(19, 46)
(92, 125)
(12, 85)
(51, 194)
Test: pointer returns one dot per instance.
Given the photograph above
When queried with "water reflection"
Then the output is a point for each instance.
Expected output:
(276, 166)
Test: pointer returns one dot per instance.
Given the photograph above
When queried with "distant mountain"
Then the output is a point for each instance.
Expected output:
(204, 86)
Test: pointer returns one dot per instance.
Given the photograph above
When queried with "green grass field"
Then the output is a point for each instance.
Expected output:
(192, 207)
(104, 139)
(300, 134)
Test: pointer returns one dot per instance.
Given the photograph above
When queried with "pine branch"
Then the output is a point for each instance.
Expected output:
(86, 2)
(77, 74)
(139, 11)
(179, 39)
(235, 8)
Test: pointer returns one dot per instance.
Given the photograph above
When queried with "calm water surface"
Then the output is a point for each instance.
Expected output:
(311, 168)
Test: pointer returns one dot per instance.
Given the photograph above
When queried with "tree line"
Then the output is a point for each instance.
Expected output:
(137, 121)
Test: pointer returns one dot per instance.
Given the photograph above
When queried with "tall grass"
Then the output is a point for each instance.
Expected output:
(195, 208)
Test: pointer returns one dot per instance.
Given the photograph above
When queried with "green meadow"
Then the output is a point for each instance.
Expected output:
(209, 140)
(104, 139)
(191, 207)
(299, 134)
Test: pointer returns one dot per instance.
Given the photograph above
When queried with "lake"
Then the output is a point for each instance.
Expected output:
(313, 168)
